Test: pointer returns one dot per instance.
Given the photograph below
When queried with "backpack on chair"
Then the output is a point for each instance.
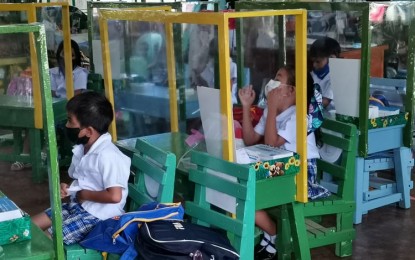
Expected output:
(182, 240)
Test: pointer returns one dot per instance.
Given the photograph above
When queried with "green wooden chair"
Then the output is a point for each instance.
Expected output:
(235, 180)
(153, 180)
(341, 204)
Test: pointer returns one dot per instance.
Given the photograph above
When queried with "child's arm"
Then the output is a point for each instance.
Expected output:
(247, 97)
(326, 102)
(109, 195)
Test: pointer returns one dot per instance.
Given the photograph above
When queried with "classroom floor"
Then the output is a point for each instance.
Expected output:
(385, 233)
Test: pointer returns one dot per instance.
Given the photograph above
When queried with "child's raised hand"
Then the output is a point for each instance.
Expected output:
(64, 190)
(246, 95)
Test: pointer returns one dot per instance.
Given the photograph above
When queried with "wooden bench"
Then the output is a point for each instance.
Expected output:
(237, 181)
(148, 162)
(341, 204)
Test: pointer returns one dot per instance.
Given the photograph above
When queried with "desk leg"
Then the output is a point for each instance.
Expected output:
(35, 157)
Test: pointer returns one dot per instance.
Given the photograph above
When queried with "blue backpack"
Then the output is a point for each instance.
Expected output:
(117, 235)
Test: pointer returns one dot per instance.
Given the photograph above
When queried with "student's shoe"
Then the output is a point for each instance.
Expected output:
(265, 255)
(18, 166)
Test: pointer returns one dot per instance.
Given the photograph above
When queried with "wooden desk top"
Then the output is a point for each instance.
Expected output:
(17, 111)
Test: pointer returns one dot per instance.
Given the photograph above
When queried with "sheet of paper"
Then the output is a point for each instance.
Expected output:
(209, 104)
(219, 199)
(345, 82)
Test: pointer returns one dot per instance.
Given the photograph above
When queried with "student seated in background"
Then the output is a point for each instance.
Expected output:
(57, 74)
(58, 87)
(320, 51)
(278, 127)
(99, 170)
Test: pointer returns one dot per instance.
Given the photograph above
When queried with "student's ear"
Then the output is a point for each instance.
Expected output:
(90, 131)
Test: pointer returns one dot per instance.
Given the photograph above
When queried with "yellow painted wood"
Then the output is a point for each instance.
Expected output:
(106, 60)
(174, 117)
(67, 51)
(221, 20)
(301, 96)
(225, 90)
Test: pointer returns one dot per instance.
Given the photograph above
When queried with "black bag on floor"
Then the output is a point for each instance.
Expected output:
(182, 240)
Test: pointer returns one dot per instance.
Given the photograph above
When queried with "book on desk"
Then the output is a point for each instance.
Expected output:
(8, 209)
(260, 152)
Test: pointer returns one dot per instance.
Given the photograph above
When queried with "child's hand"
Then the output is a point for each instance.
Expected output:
(246, 95)
(64, 190)
(280, 99)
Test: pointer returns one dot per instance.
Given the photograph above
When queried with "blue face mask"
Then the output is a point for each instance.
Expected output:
(321, 73)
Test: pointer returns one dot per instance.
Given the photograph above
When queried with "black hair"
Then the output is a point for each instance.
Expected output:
(290, 69)
(76, 62)
(91, 109)
(310, 89)
(324, 48)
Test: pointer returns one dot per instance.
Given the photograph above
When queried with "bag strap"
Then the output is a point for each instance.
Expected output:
(117, 233)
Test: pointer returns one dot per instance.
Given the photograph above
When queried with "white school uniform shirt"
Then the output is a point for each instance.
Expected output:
(58, 84)
(326, 90)
(286, 125)
(104, 166)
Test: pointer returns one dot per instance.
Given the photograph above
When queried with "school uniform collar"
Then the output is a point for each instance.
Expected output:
(78, 150)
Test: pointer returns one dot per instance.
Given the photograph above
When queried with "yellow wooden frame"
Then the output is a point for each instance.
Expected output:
(221, 21)
(30, 9)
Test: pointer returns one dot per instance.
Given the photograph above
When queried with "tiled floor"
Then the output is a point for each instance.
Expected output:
(386, 233)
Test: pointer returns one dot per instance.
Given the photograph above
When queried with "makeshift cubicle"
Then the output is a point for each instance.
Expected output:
(40, 246)
(175, 140)
(380, 36)
(22, 109)
(140, 59)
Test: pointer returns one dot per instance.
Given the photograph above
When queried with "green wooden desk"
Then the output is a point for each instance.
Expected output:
(39, 247)
(265, 196)
(18, 114)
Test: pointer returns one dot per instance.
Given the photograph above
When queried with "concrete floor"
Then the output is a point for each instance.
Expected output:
(386, 233)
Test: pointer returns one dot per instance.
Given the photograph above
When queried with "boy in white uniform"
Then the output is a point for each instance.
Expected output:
(99, 170)
(278, 127)
(320, 51)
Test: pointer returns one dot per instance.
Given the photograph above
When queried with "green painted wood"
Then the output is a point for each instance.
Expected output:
(335, 170)
(241, 228)
(220, 220)
(341, 205)
(38, 31)
(39, 247)
(145, 164)
(410, 81)
(217, 183)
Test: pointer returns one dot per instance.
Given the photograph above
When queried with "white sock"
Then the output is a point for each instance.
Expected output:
(268, 237)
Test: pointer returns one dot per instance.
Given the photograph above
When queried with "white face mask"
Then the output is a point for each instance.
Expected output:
(270, 86)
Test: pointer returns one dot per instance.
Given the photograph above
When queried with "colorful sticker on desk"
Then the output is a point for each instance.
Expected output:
(379, 122)
(276, 168)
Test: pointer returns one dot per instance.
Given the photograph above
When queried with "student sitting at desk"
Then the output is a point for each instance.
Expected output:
(278, 127)
(57, 74)
(99, 170)
(58, 87)
(320, 51)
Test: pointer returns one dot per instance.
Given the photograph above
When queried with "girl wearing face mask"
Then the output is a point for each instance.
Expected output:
(277, 127)
(57, 75)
